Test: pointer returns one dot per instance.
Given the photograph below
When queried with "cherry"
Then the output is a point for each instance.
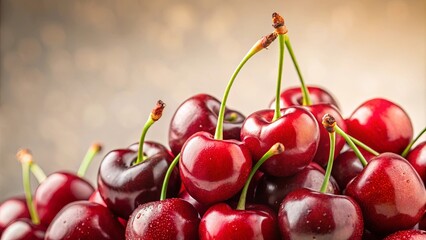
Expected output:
(254, 222)
(128, 178)
(294, 97)
(12, 209)
(85, 220)
(213, 169)
(97, 198)
(307, 214)
(408, 235)
(200, 113)
(417, 158)
(24, 229)
(201, 208)
(272, 190)
(382, 125)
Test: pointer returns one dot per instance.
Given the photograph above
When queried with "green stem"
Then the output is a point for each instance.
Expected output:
(407, 149)
(167, 177)
(363, 146)
(352, 145)
(26, 169)
(88, 158)
(277, 113)
(274, 150)
(306, 101)
(141, 156)
(332, 136)
(37, 172)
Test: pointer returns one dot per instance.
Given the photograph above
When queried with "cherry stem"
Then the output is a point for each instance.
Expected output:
(37, 172)
(25, 158)
(277, 113)
(329, 123)
(276, 149)
(167, 177)
(351, 144)
(88, 158)
(264, 42)
(363, 146)
(407, 149)
(306, 100)
(156, 114)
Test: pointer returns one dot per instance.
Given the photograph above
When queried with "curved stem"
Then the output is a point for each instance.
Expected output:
(167, 177)
(324, 185)
(277, 113)
(141, 156)
(407, 149)
(88, 158)
(274, 150)
(306, 101)
(38, 172)
(363, 146)
(352, 145)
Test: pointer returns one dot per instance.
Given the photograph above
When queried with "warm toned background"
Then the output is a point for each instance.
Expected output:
(75, 72)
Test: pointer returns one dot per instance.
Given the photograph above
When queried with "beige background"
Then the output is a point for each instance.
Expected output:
(75, 72)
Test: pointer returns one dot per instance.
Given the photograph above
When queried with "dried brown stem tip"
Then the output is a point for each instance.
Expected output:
(278, 148)
(329, 122)
(268, 39)
(24, 156)
(97, 147)
(157, 111)
(278, 23)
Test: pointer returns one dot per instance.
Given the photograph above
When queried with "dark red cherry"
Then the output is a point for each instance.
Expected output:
(200, 113)
(201, 208)
(293, 97)
(407, 235)
(417, 158)
(307, 214)
(97, 198)
(85, 220)
(12, 209)
(171, 218)
(23, 229)
(382, 125)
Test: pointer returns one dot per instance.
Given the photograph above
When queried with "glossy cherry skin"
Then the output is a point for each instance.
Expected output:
(390, 193)
(407, 235)
(272, 190)
(213, 170)
(97, 198)
(124, 186)
(199, 113)
(85, 220)
(307, 214)
(382, 125)
(56, 191)
(323, 151)
(172, 218)
(12, 209)
(255, 222)
(201, 208)
(417, 159)
(347, 166)
(293, 97)
(296, 129)
(23, 229)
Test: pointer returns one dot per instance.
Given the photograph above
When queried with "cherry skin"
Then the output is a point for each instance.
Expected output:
(213, 170)
(12, 209)
(200, 113)
(293, 97)
(390, 193)
(382, 125)
(408, 235)
(255, 222)
(56, 191)
(85, 220)
(417, 158)
(124, 186)
(347, 166)
(272, 190)
(97, 198)
(171, 218)
(307, 214)
(297, 129)
(23, 229)
(201, 208)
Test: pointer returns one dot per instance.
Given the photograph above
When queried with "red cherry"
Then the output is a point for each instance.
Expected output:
(23, 229)
(293, 97)
(408, 235)
(417, 158)
(12, 209)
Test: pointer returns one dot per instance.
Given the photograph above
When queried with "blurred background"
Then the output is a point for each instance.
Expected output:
(76, 72)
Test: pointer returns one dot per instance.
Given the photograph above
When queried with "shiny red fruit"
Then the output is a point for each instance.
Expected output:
(23, 229)
(293, 97)
(12, 209)
(417, 159)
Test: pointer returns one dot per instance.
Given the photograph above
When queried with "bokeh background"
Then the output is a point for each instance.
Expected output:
(76, 72)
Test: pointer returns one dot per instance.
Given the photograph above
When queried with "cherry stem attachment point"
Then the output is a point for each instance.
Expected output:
(264, 42)
(25, 158)
(408, 148)
(156, 114)
(277, 113)
(329, 124)
(363, 146)
(306, 100)
(88, 158)
(172, 166)
(276, 149)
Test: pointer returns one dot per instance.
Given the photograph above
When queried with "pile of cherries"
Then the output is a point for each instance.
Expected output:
(295, 170)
